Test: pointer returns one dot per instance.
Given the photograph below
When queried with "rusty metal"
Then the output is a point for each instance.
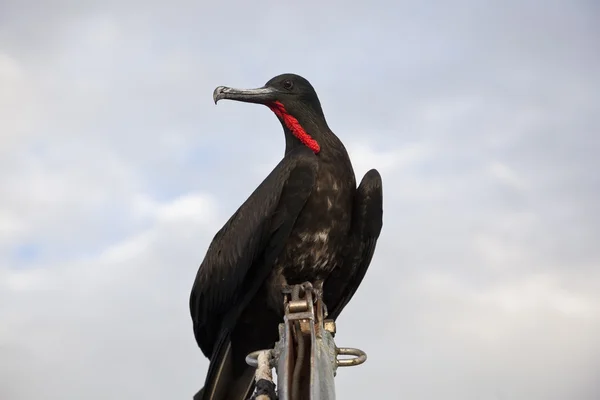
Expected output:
(306, 357)
(329, 326)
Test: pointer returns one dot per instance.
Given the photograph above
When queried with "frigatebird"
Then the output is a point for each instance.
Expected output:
(307, 221)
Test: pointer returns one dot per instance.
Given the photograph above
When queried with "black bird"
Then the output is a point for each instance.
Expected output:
(306, 221)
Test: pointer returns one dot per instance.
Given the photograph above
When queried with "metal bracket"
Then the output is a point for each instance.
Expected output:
(305, 357)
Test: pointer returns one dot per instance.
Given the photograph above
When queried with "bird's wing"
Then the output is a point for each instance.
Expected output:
(367, 221)
(229, 275)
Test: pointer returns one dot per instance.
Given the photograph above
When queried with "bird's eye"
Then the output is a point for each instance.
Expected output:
(288, 85)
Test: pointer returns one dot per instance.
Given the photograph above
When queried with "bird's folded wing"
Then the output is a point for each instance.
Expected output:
(367, 221)
(230, 271)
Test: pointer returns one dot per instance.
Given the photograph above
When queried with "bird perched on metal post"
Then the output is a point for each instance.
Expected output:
(307, 221)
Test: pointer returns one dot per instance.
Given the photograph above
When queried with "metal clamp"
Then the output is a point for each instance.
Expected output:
(305, 357)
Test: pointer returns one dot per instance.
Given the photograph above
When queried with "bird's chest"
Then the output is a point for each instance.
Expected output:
(316, 242)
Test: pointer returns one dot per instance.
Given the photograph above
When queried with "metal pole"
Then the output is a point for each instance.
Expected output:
(305, 357)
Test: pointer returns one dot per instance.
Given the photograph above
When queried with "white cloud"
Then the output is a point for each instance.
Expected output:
(102, 315)
(9, 69)
(507, 175)
(17, 103)
(364, 157)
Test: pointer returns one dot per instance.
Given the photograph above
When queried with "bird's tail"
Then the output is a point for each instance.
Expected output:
(227, 377)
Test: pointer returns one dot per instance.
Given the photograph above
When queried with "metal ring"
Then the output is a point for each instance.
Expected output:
(252, 358)
(359, 357)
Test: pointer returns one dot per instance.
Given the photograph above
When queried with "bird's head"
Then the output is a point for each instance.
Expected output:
(292, 98)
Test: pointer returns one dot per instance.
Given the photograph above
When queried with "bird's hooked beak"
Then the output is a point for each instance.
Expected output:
(263, 95)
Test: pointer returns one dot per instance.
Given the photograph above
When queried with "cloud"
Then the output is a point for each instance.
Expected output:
(103, 316)
(506, 175)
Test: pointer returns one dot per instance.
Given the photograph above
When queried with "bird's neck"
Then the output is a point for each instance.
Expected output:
(309, 129)
(312, 133)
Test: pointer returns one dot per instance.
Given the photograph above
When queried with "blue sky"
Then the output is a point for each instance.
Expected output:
(117, 169)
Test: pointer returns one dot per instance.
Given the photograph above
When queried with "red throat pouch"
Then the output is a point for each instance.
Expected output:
(294, 126)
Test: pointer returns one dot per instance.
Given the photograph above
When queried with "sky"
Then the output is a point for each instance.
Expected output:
(116, 170)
